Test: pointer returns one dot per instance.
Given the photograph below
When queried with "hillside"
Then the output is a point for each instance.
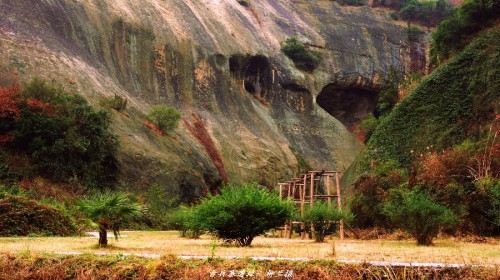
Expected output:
(440, 142)
(451, 105)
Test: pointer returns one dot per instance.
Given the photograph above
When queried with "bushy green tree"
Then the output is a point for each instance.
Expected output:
(323, 217)
(303, 58)
(64, 138)
(164, 117)
(240, 213)
(415, 212)
(159, 202)
(110, 211)
(187, 221)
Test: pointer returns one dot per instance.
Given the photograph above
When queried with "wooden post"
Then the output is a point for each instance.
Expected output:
(281, 197)
(328, 192)
(339, 202)
(312, 190)
(312, 202)
(302, 207)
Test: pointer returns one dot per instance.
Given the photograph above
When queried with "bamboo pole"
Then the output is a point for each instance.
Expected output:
(302, 207)
(328, 192)
(339, 202)
(312, 202)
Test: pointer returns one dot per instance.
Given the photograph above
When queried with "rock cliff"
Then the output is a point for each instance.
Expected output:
(248, 113)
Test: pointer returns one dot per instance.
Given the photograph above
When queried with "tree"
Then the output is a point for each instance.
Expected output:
(323, 217)
(186, 220)
(415, 212)
(110, 211)
(165, 118)
(63, 136)
(240, 213)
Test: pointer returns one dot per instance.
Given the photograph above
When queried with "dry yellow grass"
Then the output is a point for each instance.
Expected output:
(166, 243)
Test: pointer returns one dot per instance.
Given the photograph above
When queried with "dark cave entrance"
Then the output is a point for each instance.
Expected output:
(348, 104)
(255, 71)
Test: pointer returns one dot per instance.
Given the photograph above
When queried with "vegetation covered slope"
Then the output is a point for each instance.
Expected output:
(448, 107)
(441, 143)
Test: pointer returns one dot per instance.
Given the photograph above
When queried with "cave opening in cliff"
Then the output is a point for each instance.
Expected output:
(254, 71)
(349, 105)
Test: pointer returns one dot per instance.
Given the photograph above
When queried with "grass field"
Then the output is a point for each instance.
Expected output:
(169, 243)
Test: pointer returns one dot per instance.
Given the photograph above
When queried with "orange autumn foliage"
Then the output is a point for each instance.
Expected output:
(442, 168)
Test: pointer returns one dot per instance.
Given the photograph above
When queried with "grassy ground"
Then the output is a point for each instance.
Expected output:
(167, 243)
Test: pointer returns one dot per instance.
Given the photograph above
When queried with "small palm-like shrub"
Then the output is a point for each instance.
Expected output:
(110, 211)
(323, 217)
(21, 216)
(240, 213)
(165, 118)
(415, 212)
(303, 58)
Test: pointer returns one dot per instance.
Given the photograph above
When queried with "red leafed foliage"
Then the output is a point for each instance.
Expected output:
(5, 138)
(154, 128)
(40, 106)
(442, 168)
(198, 130)
(9, 107)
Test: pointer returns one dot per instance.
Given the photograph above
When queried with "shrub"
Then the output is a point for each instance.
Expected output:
(165, 118)
(453, 33)
(240, 213)
(110, 211)
(371, 192)
(6, 175)
(158, 202)
(493, 193)
(21, 217)
(414, 33)
(323, 217)
(415, 212)
(352, 2)
(9, 112)
(64, 138)
(303, 58)
(116, 103)
(186, 220)
(428, 13)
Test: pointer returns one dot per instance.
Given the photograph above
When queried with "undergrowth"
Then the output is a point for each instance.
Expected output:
(82, 267)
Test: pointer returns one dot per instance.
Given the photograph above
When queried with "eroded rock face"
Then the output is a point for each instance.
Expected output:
(349, 105)
(220, 63)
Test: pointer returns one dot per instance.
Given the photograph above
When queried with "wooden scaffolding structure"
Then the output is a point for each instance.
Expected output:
(308, 188)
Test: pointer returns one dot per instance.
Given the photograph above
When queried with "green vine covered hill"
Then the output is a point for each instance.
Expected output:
(452, 104)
